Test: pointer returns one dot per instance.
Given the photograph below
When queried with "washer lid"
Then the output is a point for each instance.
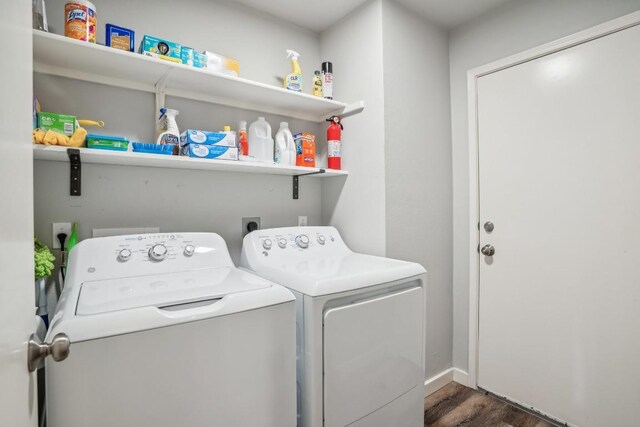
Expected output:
(331, 274)
(163, 290)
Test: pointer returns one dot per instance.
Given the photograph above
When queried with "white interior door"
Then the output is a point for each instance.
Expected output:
(17, 312)
(559, 170)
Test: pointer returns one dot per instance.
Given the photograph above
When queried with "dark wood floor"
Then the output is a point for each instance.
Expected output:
(455, 405)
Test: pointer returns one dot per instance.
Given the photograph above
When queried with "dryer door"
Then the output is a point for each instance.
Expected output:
(373, 354)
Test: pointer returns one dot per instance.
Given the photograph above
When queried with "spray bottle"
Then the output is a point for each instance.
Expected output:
(293, 81)
(334, 134)
(167, 127)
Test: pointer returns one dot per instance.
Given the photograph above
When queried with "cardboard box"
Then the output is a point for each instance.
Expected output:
(192, 58)
(203, 137)
(305, 149)
(159, 48)
(60, 123)
(120, 38)
(209, 152)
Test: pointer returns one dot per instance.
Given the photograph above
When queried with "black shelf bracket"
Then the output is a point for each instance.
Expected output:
(296, 184)
(75, 173)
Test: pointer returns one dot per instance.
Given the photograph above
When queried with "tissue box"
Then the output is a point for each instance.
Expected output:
(305, 149)
(163, 49)
(192, 58)
(210, 152)
(60, 123)
(203, 137)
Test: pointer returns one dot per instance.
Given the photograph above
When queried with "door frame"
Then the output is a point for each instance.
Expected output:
(610, 27)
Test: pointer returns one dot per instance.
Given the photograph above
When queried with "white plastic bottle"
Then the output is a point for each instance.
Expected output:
(285, 146)
(260, 141)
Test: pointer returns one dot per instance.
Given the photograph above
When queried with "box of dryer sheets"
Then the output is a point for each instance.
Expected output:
(60, 123)
(163, 49)
(210, 152)
(203, 137)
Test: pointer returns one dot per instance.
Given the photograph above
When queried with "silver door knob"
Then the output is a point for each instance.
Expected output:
(37, 350)
(488, 226)
(488, 250)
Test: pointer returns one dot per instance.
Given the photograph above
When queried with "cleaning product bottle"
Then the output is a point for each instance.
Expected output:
(327, 80)
(285, 150)
(293, 81)
(317, 84)
(167, 127)
(260, 141)
(243, 143)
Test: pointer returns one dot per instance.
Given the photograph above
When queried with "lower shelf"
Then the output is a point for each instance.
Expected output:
(106, 157)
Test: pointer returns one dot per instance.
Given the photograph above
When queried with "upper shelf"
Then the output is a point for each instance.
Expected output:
(61, 56)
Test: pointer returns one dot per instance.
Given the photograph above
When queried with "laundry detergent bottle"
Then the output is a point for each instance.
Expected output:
(260, 140)
(285, 147)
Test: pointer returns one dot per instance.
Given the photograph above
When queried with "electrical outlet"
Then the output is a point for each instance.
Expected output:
(246, 221)
(60, 227)
(302, 221)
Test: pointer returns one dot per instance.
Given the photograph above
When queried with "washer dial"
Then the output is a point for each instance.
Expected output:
(321, 239)
(158, 252)
(124, 255)
(266, 243)
(282, 242)
(189, 250)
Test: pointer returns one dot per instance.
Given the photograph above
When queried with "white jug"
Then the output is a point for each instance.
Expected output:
(260, 140)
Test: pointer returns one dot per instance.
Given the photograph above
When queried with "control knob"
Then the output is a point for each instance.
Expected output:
(302, 241)
(189, 250)
(321, 239)
(158, 252)
(266, 243)
(282, 243)
(124, 255)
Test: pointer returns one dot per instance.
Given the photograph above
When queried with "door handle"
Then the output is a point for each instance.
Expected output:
(488, 250)
(58, 349)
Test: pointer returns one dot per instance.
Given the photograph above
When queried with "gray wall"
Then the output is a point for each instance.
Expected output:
(354, 45)
(418, 163)
(512, 28)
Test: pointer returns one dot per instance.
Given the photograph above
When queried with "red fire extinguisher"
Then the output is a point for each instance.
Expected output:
(334, 132)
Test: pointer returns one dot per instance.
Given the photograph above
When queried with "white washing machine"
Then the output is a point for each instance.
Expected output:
(360, 327)
(166, 331)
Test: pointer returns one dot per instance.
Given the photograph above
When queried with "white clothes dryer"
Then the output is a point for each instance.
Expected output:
(166, 331)
(360, 327)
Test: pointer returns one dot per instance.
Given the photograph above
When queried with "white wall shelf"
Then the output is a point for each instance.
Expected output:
(61, 56)
(129, 158)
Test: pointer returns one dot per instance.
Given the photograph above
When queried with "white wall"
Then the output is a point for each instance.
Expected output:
(512, 28)
(354, 46)
(418, 163)
(174, 199)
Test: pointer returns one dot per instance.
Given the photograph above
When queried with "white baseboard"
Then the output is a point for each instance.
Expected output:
(440, 380)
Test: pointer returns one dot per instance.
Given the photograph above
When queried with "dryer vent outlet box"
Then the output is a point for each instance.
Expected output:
(249, 223)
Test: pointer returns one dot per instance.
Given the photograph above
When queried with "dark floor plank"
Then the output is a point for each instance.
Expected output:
(457, 406)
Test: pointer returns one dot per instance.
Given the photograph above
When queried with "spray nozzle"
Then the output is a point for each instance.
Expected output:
(293, 54)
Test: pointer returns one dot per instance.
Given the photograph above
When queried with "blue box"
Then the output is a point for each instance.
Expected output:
(120, 38)
(159, 48)
(193, 58)
(203, 137)
(219, 152)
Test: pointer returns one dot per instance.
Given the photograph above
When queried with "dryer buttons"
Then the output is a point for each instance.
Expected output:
(302, 241)
(158, 252)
